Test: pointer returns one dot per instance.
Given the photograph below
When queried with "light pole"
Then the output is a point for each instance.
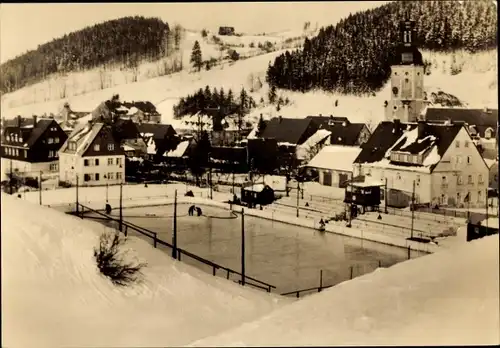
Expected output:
(40, 188)
(174, 234)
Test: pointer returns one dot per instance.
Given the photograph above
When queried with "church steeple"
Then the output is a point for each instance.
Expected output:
(407, 76)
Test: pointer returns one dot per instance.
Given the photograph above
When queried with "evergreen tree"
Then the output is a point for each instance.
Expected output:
(261, 126)
(272, 94)
(196, 58)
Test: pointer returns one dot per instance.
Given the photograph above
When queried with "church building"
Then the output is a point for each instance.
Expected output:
(407, 79)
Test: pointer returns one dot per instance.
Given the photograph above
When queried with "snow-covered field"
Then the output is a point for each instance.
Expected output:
(476, 85)
(53, 294)
(52, 289)
(448, 298)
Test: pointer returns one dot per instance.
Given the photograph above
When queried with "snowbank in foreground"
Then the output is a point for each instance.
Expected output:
(53, 294)
(448, 298)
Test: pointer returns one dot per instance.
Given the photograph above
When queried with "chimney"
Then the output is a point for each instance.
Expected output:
(280, 118)
(421, 129)
(34, 121)
(19, 121)
(320, 115)
(486, 110)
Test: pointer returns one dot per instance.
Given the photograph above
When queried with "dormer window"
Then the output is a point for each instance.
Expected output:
(72, 146)
(50, 140)
(15, 138)
(111, 147)
(8, 137)
(488, 133)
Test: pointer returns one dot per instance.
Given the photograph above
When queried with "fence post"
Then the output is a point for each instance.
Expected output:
(351, 271)
(126, 228)
(298, 292)
(214, 270)
(154, 240)
(379, 263)
(408, 252)
(320, 279)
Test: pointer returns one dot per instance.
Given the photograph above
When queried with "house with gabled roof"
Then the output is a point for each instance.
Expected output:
(482, 125)
(441, 159)
(342, 131)
(289, 131)
(92, 156)
(159, 138)
(31, 146)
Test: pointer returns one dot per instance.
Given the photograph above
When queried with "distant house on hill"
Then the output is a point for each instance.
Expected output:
(440, 159)
(32, 146)
(226, 31)
(93, 156)
(482, 125)
(141, 111)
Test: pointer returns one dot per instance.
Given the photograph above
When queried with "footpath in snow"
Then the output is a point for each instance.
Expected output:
(54, 296)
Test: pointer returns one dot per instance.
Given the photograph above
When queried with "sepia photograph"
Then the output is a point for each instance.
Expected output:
(235, 174)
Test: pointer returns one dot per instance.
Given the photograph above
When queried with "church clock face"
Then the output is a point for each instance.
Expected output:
(395, 90)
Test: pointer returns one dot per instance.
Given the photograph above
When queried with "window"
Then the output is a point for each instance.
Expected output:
(53, 167)
(97, 147)
(25, 153)
(17, 152)
(97, 161)
(487, 133)
(56, 140)
(51, 153)
(86, 163)
(466, 143)
(15, 137)
(469, 159)
(479, 198)
(72, 146)
(418, 180)
(398, 176)
(480, 178)
(458, 197)
(111, 147)
(86, 177)
(97, 177)
(20, 139)
(118, 161)
(8, 138)
(118, 176)
(469, 179)
(369, 172)
(460, 180)
(111, 176)
(457, 144)
(50, 140)
(443, 180)
(110, 161)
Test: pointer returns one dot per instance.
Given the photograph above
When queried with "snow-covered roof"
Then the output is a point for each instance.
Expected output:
(335, 157)
(255, 187)
(490, 162)
(151, 146)
(128, 148)
(179, 151)
(313, 140)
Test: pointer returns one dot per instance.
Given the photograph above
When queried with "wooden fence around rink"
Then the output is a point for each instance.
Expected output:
(180, 252)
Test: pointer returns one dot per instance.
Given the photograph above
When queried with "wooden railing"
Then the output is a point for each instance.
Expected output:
(180, 252)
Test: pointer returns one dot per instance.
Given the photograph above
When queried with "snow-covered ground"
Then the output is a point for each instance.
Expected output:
(53, 294)
(449, 298)
(165, 91)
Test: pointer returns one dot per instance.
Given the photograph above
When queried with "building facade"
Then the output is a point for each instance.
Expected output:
(31, 148)
(92, 156)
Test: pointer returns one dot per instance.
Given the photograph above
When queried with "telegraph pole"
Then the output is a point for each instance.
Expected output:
(385, 196)
(298, 188)
(121, 207)
(242, 246)
(412, 209)
(77, 204)
(40, 188)
(174, 234)
(11, 179)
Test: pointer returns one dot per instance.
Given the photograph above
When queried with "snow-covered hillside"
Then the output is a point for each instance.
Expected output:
(54, 296)
(476, 86)
(448, 298)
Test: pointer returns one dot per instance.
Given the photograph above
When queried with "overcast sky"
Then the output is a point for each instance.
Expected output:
(25, 26)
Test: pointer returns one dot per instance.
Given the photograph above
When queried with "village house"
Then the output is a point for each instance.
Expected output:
(159, 138)
(67, 118)
(334, 164)
(31, 147)
(127, 133)
(482, 125)
(93, 156)
(226, 31)
(493, 173)
(342, 131)
(440, 160)
(137, 111)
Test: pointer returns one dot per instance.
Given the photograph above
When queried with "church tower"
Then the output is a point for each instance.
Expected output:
(407, 78)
